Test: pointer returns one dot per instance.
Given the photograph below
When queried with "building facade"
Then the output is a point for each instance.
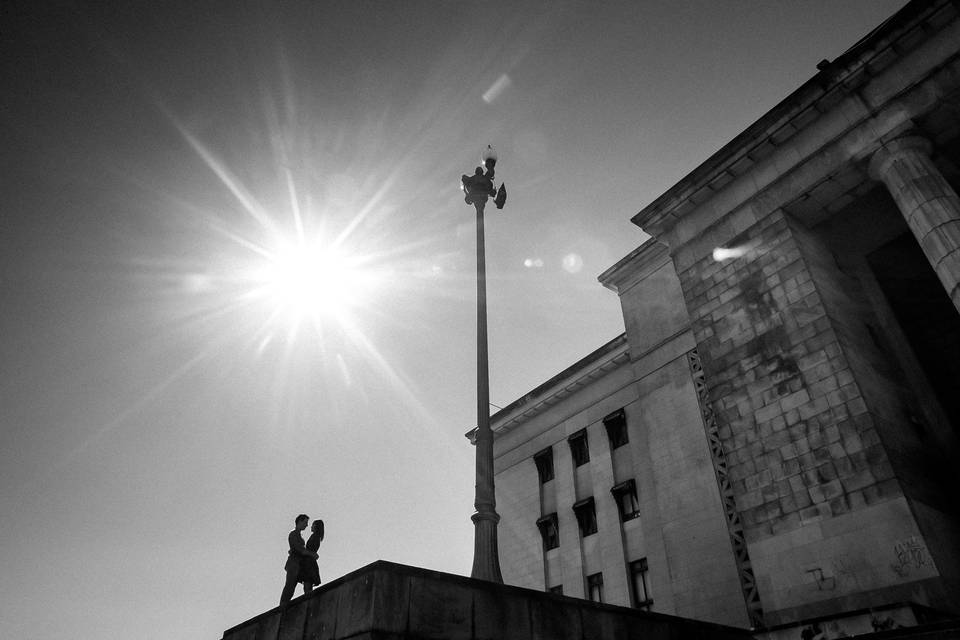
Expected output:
(774, 438)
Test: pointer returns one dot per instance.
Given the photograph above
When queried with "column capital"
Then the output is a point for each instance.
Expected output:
(929, 204)
(887, 153)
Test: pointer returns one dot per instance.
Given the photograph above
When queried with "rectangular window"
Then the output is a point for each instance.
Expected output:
(578, 448)
(549, 531)
(557, 590)
(595, 587)
(586, 516)
(544, 461)
(625, 494)
(639, 586)
(616, 424)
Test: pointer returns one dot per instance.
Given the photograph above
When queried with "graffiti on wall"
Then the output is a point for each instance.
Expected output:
(823, 581)
(910, 554)
(823, 631)
(829, 630)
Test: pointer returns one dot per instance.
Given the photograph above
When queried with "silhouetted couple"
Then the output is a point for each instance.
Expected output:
(302, 558)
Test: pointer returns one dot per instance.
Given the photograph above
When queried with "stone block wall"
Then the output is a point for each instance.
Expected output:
(793, 421)
(878, 376)
(786, 358)
(915, 432)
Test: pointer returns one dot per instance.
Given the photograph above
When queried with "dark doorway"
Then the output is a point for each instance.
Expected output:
(925, 313)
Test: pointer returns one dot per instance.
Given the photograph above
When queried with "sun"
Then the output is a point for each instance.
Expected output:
(315, 280)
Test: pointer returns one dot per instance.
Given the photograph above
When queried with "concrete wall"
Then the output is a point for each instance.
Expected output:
(386, 601)
(653, 309)
(681, 512)
(521, 550)
(832, 562)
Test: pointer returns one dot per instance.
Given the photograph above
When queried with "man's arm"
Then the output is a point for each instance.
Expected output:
(298, 547)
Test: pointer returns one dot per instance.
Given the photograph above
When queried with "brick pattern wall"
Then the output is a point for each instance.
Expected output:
(892, 405)
(799, 443)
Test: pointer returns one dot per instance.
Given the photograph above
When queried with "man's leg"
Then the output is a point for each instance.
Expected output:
(289, 586)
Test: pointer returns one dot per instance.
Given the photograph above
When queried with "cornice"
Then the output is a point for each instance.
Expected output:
(835, 81)
(635, 266)
(598, 364)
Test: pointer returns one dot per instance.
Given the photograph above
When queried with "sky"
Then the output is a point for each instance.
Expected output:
(237, 275)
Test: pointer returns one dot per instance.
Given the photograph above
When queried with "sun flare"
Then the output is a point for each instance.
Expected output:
(315, 280)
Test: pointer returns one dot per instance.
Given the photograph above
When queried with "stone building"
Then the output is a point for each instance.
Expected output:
(774, 438)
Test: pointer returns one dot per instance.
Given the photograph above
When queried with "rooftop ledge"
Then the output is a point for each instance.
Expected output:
(391, 601)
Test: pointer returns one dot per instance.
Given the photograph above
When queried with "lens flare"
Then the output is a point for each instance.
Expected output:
(497, 88)
(730, 253)
(572, 263)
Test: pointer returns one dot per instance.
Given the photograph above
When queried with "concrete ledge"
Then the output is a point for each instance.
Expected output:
(387, 601)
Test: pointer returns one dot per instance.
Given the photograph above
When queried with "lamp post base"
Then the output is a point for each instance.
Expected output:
(486, 565)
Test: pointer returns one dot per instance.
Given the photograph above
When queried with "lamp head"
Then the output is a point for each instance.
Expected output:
(488, 158)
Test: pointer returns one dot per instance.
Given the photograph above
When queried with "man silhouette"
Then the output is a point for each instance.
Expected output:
(298, 549)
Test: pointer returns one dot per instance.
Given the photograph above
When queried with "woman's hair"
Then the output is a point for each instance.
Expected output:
(300, 517)
(318, 524)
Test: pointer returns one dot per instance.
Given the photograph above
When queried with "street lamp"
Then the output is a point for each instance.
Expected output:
(486, 559)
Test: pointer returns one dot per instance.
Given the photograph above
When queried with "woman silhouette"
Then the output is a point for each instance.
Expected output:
(309, 569)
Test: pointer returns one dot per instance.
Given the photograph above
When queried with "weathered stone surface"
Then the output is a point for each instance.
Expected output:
(292, 623)
(498, 619)
(268, 627)
(248, 631)
(321, 619)
(355, 606)
(788, 381)
(550, 618)
(437, 609)
(391, 595)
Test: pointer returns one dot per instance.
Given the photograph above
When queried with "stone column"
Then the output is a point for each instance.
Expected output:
(929, 204)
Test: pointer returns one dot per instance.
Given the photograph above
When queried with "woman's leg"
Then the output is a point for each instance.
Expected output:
(307, 587)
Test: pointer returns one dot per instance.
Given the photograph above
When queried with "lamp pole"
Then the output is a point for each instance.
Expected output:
(486, 559)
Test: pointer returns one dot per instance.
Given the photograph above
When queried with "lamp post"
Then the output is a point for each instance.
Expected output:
(486, 559)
